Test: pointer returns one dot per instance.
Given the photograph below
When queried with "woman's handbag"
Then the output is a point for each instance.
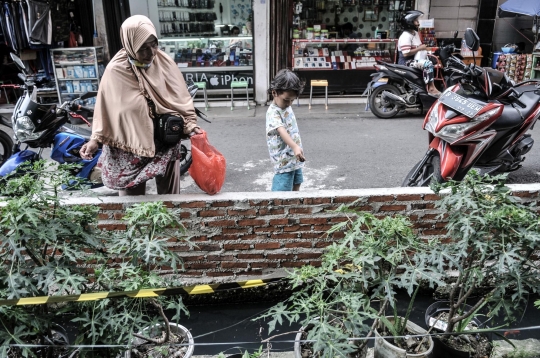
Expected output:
(168, 129)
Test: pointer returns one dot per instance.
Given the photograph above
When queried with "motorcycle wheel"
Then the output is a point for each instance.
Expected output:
(430, 172)
(380, 107)
(6, 147)
(185, 160)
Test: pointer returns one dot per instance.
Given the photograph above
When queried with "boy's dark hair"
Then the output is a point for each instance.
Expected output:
(286, 80)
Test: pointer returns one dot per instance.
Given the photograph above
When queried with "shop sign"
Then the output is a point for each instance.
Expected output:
(221, 79)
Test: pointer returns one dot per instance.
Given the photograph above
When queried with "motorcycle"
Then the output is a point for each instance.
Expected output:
(481, 122)
(41, 126)
(396, 88)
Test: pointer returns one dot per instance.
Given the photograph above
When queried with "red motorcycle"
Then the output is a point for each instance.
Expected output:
(480, 122)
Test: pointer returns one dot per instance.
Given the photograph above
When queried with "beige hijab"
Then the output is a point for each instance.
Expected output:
(121, 114)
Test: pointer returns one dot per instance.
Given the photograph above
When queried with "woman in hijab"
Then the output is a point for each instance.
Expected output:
(139, 82)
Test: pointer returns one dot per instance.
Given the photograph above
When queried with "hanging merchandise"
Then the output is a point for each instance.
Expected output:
(39, 23)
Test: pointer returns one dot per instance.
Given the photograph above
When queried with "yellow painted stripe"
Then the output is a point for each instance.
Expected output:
(92, 296)
(251, 283)
(143, 293)
(33, 300)
(198, 290)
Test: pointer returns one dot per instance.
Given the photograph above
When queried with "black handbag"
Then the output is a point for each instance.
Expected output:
(168, 129)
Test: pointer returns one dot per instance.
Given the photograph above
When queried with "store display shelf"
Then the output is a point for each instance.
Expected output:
(216, 68)
(183, 8)
(77, 78)
(71, 93)
(71, 63)
(330, 41)
(187, 21)
(184, 35)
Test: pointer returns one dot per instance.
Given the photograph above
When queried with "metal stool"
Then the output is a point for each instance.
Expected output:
(239, 84)
(202, 85)
(319, 83)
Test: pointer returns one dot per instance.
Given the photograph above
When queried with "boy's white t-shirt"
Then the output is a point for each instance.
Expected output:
(408, 42)
(281, 154)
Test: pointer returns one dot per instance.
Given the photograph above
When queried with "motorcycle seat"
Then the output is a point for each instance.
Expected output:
(85, 133)
(405, 68)
(513, 114)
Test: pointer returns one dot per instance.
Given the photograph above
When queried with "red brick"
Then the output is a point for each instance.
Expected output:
(263, 264)
(431, 197)
(284, 236)
(291, 245)
(322, 244)
(525, 194)
(248, 212)
(279, 256)
(255, 271)
(307, 210)
(220, 204)
(250, 256)
(259, 203)
(236, 246)
(380, 198)
(168, 204)
(296, 228)
(193, 258)
(251, 222)
(313, 220)
(338, 219)
(284, 202)
(322, 227)
(273, 211)
(102, 216)
(346, 199)
(267, 246)
(210, 213)
(185, 215)
(220, 257)
(265, 230)
(422, 225)
(194, 204)
(221, 223)
(234, 265)
(338, 234)
(311, 235)
(225, 237)
(219, 274)
(292, 264)
(182, 248)
(208, 247)
(317, 201)
(118, 216)
(111, 206)
(408, 197)
(244, 230)
(311, 255)
(434, 232)
(283, 221)
(315, 263)
(252, 237)
(112, 227)
(431, 217)
(393, 208)
(201, 265)
(441, 225)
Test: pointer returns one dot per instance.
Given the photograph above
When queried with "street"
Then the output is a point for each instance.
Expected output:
(345, 147)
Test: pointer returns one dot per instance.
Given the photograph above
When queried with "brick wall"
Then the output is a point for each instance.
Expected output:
(253, 235)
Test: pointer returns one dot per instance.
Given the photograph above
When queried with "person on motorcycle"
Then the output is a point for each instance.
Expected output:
(139, 83)
(412, 52)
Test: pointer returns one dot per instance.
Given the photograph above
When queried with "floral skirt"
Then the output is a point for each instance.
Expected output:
(123, 170)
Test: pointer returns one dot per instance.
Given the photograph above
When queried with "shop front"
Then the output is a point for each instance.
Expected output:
(341, 40)
(211, 41)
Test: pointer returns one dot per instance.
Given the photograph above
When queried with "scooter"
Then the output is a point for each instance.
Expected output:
(481, 122)
(397, 88)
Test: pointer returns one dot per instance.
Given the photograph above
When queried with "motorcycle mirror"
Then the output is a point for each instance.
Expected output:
(471, 39)
(21, 76)
(18, 62)
(455, 34)
(88, 95)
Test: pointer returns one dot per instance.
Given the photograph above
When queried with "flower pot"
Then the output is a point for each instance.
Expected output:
(156, 332)
(298, 346)
(441, 349)
(385, 349)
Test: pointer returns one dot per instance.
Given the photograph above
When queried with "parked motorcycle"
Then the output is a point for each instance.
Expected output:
(6, 143)
(481, 122)
(41, 126)
(396, 88)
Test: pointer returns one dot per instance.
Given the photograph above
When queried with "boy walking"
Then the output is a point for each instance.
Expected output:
(282, 135)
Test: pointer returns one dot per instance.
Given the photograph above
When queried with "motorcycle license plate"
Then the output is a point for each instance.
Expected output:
(460, 104)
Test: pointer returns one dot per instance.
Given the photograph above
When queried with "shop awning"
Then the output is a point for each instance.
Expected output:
(520, 8)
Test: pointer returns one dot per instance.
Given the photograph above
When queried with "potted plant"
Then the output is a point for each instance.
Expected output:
(50, 249)
(492, 240)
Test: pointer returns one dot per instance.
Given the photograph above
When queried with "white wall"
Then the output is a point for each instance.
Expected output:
(147, 8)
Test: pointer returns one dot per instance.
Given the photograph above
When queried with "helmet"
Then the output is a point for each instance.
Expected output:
(407, 21)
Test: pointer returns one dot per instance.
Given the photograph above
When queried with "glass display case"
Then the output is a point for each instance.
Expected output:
(77, 71)
(215, 60)
(341, 54)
